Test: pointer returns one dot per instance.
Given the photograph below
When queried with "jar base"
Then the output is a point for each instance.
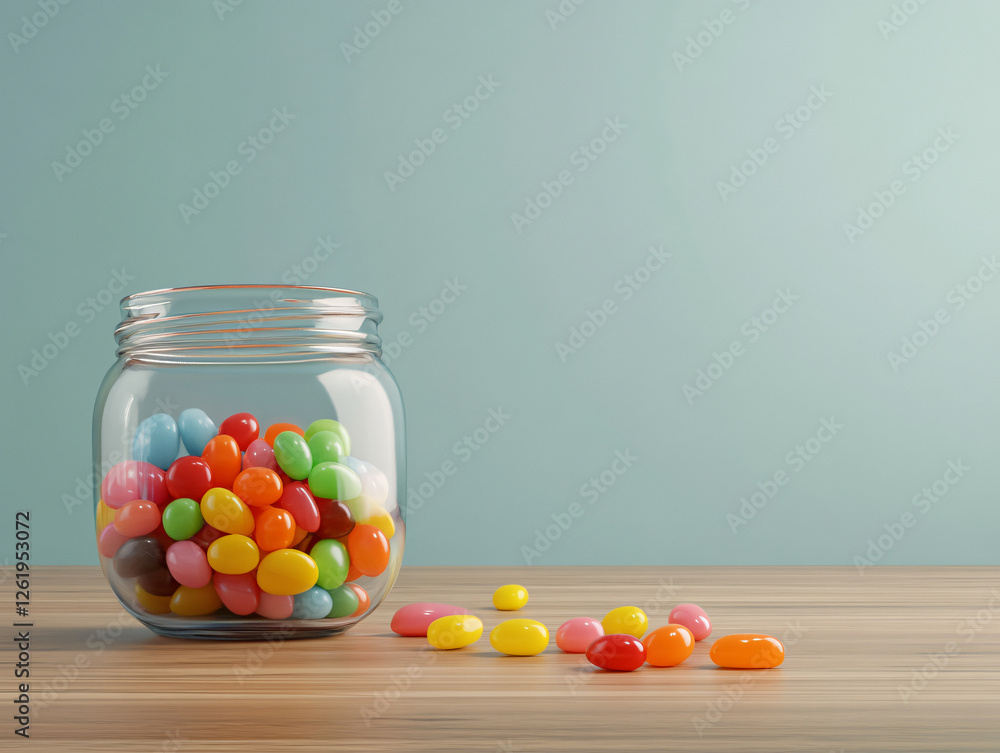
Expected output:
(253, 633)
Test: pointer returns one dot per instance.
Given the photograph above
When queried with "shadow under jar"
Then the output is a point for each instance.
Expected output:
(251, 450)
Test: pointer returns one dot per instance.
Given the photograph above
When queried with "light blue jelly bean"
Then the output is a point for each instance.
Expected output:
(314, 604)
(156, 441)
(196, 430)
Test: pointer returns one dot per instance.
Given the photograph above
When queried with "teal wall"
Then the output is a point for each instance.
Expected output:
(773, 340)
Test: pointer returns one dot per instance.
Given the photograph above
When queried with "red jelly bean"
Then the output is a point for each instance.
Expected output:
(239, 593)
(299, 501)
(336, 519)
(242, 427)
(223, 456)
(134, 479)
(206, 536)
(618, 651)
(189, 477)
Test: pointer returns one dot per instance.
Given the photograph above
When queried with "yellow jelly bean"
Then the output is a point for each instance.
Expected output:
(286, 572)
(382, 520)
(150, 602)
(454, 631)
(224, 510)
(510, 598)
(521, 637)
(194, 602)
(233, 554)
(627, 620)
(105, 515)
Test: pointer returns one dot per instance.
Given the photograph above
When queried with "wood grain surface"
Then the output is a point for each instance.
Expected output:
(856, 644)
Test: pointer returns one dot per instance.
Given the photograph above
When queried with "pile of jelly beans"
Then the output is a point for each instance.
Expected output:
(614, 643)
(279, 526)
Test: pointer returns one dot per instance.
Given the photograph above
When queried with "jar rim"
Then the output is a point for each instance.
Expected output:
(248, 286)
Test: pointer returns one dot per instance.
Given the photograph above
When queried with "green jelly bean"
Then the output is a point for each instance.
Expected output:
(182, 519)
(332, 560)
(333, 481)
(328, 424)
(326, 447)
(292, 455)
(345, 602)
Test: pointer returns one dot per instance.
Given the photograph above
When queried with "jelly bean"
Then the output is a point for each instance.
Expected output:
(575, 636)
(233, 555)
(287, 572)
(414, 619)
(326, 447)
(331, 559)
(373, 481)
(138, 556)
(300, 535)
(693, 618)
(134, 480)
(242, 427)
(306, 543)
(362, 507)
(109, 541)
(275, 606)
(327, 424)
(195, 602)
(510, 598)
(314, 604)
(369, 550)
(259, 487)
(156, 441)
(105, 515)
(224, 510)
(299, 501)
(260, 455)
(189, 477)
(622, 652)
(382, 521)
(223, 456)
(293, 455)
(454, 631)
(188, 564)
(628, 620)
(182, 519)
(336, 520)
(352, 572)
(364, 600)
(159, 582)
(345, 602)
(275, 529)
(206, 535)
(668, 646)
(196, 430)
(137, 518)
(747, 651)
(275, 429)
(150, 602)
(521, 637)
(239, 593)
(333, 481)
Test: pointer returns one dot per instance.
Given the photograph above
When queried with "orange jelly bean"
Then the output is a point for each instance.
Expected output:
(275, 429)
(368, 549)
(747, 651)
(224, 459)
(364, 600)
(668, 646)
(275, 529)
(259, 487)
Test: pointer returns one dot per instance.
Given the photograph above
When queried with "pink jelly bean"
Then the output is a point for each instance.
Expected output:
(298, 501)
(137, 518)
(188, 563)
(134, 479)
(239, 593)
(260, 455)
(275, 607)
(109, 540)
(575, 636)
(693, 618)
(414, 619)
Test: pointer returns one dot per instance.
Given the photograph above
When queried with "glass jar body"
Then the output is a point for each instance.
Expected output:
(245, 545)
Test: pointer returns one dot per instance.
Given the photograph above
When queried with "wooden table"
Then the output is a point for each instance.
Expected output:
(894, 659)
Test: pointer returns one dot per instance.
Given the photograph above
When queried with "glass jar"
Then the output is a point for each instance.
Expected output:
(251, 451)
